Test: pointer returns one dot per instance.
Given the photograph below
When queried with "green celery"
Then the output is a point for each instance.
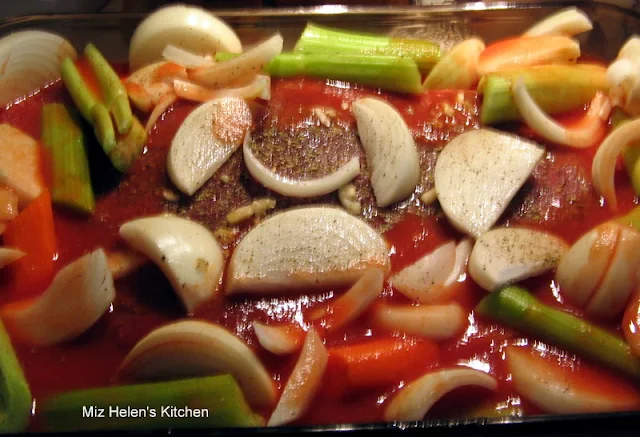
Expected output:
(631, 154)
(518, 309)
(219, 395)
(113, 90)
(556, 88)
(389, 73)
(16, 397)
(89, 106)
(64, 139)
(128, 147)
(320, 39)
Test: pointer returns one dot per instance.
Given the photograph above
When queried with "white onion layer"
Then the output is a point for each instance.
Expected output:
(187, 27)
(79, 295)
(303, 248)
(304, 382)
(298, 188)
(416, 399)
(185, 58)
(604, 162)
(549, 129)
(240, 68)
(567, 22)
(193, 348)
(8, 255)
(30, 60)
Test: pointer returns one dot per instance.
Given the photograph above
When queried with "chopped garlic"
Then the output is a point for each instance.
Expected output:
(349, 199)
(429, 197)
(170, 195)
(256, 208)
(225, 236)
(322, 115)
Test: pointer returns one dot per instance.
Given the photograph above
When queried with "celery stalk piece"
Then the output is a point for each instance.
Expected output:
(390, 73)
(64, 139)
(220, 396)
(556, 88)
(631, 154)
(129, 146)
(516, 308)
(113, 90)
(15, 409)
(80, 93)
(320, 39)
(91, 109)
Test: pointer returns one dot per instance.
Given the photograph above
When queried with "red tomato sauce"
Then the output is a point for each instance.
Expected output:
(145, 300)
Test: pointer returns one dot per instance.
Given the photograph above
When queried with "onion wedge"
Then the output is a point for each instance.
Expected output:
(305, 247)
(567, 22)
(8, 255)
(240, 68)
(205, 140)
(194, 348)
(582, 268)
(80, 293)
(581, 137)
(430, 279)
(185, 58)
(353, 303)
(258, 87)
(478, 173)
(164, 104)
(298, 188)
(279, 340)
(504, 256)
(304, 382)
(30, 60)
(390, 148)
(621, 75)
(560, 390)
(186, 252)
(124, 262)
(604, 162)
(148, 86)
(600, 271)
(20, 164)
(620, 279)
(188, 27)
(414, 400)
(457, 69)
(437, 322)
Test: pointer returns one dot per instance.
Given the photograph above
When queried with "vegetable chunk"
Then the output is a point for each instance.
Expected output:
(20, 164)
(478, 173)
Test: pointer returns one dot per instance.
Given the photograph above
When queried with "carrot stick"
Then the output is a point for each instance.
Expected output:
(377, 363)
(32, 232)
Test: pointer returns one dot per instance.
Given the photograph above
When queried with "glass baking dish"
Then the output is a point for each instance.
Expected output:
(447, 24)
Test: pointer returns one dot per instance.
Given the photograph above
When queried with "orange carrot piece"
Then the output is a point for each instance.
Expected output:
(377, 363)
(32, 232)
(527, 51)
(169, 71)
